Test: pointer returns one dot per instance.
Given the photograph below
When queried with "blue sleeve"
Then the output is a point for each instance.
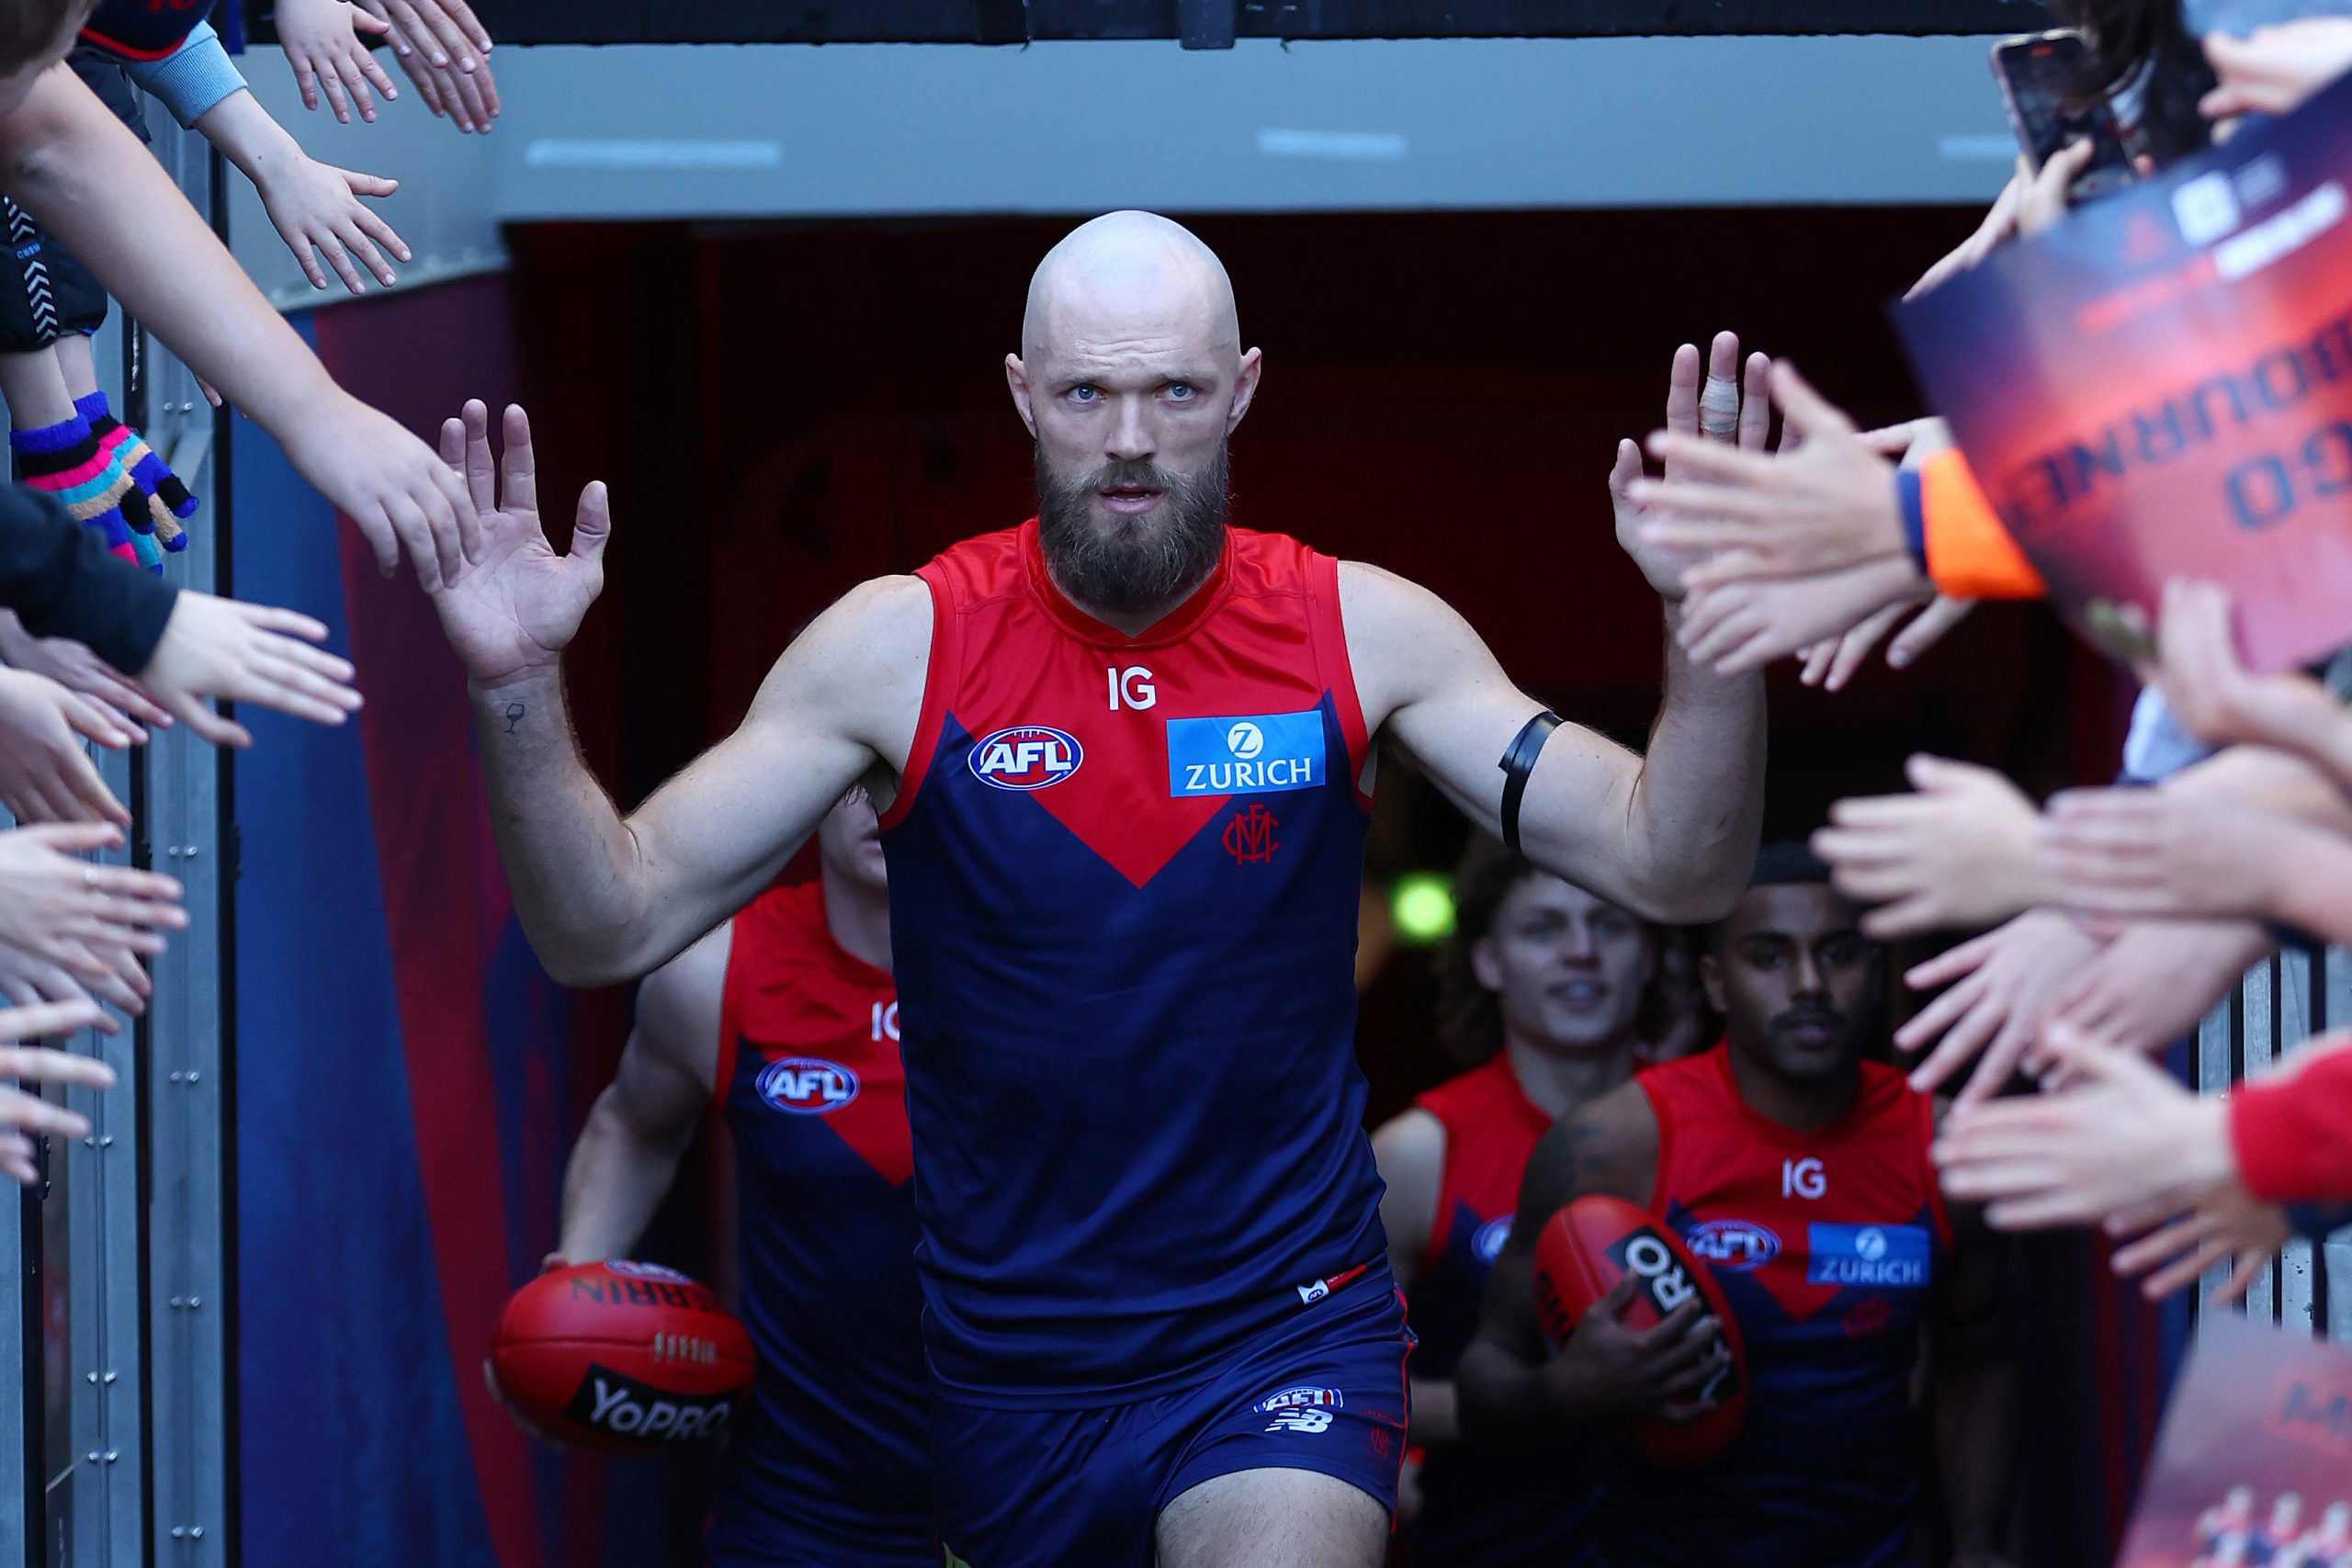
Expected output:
(1913, 506)
(192, 78)
(2157, 747)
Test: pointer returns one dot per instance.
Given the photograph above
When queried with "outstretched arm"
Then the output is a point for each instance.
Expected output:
(68, 162)
(1670, 834)
(604, 899)
(640, 1126)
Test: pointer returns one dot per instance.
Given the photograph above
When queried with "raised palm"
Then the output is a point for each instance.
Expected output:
(514, 611)
(1747, 421)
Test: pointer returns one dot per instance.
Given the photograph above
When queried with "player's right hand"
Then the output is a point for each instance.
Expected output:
(1609, 1372)
(511, 614)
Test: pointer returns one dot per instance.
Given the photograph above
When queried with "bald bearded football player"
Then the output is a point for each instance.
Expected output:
(1123, 753)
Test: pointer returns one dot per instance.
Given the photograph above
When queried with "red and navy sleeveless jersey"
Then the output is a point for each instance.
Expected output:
(1124, 884)
(143, 29)
(836, 1444)
(1827, 1246)
(1504, 1509)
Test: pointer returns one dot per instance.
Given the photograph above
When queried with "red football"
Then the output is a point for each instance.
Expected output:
(628, 1358)
(1590, 1245)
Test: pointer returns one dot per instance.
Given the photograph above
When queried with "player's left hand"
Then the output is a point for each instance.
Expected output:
(1826, 501)
(1724, 410)
(1958, 851)
(2169, 852)
(2124, 1139)
(316, 206)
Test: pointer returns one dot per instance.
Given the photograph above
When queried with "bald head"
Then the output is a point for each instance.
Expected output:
(1131, 378)
(1126, 276)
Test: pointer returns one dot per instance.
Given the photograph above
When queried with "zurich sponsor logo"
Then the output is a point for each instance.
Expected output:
(1489, 1242)
(1026, 756)
(1263, 754)
(1891, 1257)
(807, 1086)
(1736, 1244)
(1298, 1398)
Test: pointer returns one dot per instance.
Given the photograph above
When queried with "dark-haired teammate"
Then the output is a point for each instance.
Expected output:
(1544, 985)
(1799, 1172)
(1123, 752)
(783, 1024)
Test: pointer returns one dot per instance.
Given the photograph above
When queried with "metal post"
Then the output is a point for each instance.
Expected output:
(187, 1263)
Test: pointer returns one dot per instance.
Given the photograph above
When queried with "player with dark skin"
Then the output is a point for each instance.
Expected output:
(1798, 985)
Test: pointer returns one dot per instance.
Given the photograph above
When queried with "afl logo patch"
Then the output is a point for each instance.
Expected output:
(1026, 756)
(806, 1086)
(1489, 1242)
(1736, 1244)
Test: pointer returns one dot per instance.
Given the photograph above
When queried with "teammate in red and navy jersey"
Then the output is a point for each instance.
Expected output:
(1124, 752)
(782, 1023)
(1546, 983)
(1800, 1174)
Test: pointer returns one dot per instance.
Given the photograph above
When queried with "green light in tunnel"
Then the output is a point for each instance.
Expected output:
(1422, 905)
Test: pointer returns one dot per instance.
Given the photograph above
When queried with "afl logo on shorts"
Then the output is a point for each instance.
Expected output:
(1488, 1244)
(1027, 756)
(806, 1086)
(1300, 1398)
(1735, 1245)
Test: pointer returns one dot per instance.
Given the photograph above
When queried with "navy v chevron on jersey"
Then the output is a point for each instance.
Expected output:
(1123, 885)
(831, 1465)
(1827, 1246)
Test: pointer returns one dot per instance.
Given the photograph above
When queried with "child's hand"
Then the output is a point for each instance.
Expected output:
(316, 206)
(446, 51)
(322, 43)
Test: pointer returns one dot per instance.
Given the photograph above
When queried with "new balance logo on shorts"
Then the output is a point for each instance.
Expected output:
(1300, 1421)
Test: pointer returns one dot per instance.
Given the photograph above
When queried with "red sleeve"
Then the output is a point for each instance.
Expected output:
(2292, 1129)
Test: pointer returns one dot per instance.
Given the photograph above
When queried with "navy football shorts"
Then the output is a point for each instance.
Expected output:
(1053, 1488)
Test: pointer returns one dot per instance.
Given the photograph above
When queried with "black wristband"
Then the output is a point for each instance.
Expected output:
(1518, 760)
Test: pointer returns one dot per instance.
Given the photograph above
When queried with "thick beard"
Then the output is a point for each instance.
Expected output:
(1131, 567)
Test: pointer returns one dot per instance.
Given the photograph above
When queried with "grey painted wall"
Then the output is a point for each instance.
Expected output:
(767, 131)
